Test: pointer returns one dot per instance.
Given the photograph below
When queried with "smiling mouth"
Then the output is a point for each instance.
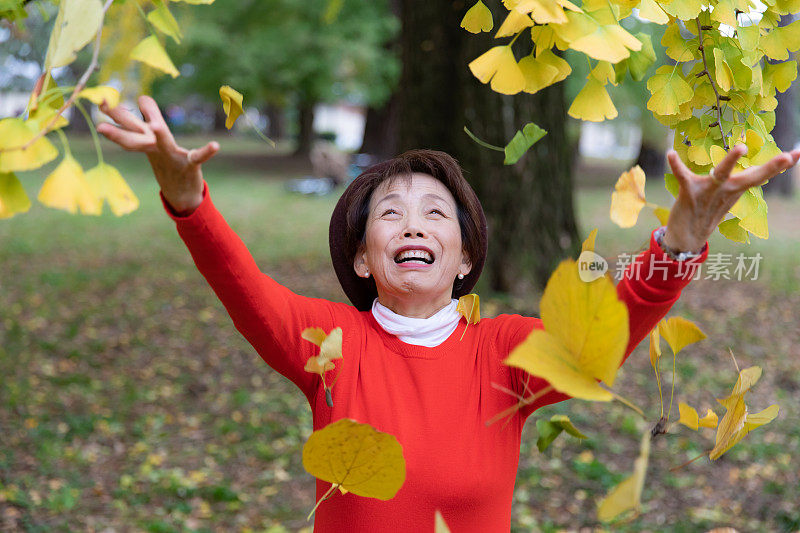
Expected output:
(417, 256)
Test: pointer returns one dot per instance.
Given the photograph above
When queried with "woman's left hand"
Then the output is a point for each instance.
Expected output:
(704, 200)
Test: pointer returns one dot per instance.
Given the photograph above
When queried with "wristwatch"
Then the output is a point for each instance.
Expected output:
(674, 254)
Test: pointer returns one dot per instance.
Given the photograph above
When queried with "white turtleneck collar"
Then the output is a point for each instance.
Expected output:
(429, 332)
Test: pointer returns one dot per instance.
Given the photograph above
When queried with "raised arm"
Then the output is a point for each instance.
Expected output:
(270, 316)
(653, 282)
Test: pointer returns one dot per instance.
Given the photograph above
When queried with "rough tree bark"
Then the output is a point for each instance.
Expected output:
(785, 132)
(529, 205)
(305, 135)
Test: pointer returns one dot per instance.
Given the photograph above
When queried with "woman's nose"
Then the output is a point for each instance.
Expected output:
(413, 228)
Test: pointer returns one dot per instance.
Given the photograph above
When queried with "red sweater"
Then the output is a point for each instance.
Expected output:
(435, 401)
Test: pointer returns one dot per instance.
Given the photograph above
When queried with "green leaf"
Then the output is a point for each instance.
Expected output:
(671, 184)
(640, 61)
(550, 429)
(522, 141)
(163, 20)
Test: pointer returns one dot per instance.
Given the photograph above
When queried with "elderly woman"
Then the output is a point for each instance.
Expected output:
(407, 237)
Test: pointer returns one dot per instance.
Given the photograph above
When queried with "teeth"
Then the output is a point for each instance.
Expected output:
(414, 254)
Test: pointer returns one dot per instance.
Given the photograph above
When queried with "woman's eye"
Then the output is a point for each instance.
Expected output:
(438, 212)
(389, 212)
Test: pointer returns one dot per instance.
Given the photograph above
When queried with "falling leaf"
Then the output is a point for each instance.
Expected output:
(736, 423)
(627, 495)
(109, 185)
(66, 188)
(469, 307)
(593, 103)
(550, 429)
(689, 417)
(708, 421)
(150, 52)
(499, 66)
(76, 24)
(588, 244)
(13, 199)
(163, 20)
(522, 141)
(100, 94)
(679, 333)
(357, 457)
(627, 200)
(15, 133)
(440, 525)
(231, 104)
(330, 348)
(584, 337)
(478, 18)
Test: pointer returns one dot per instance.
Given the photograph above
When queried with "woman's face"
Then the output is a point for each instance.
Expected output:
(413, 245)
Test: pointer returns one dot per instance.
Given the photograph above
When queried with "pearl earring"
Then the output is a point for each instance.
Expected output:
(366, 275)
(461, 276)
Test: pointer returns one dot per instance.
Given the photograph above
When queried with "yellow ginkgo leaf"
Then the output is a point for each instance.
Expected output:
(683, 9)
(469, 307)
(109, 185)
(662, 214)
(593, 103)
(100, 94)
(13, 199)
(66, 188)
(655, 348)
(513, 24)
(499, 66)
(76, 24)
(609, 42)
(150, 52)
(731, 229)
(650, 10)
(538, 74)
(584, 337)
(689, 417)
(725, 12)
(231, 104)
(730, 425)
(723, 73)
(549, 58)
(478, 18)
(44, 104)
(627, 495)
(357, 457)
(440, 526)
(15, 133)
(163, 20)
(330, 348)
(588, 243)
(778, 42)
(196, 2)
(679, 333)
(708, 421)
(669, 90)
(547, 11)
(745, 380)
(627, 200)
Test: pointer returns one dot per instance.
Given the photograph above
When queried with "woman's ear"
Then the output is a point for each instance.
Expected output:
(360, 262)
(466, 264)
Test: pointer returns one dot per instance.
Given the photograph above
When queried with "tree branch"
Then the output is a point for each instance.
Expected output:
(713, 85)
(78, 86)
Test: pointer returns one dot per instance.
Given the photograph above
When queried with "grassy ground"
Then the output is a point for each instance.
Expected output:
(129, 401)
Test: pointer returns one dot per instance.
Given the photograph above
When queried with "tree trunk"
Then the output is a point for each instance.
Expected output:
(380, 130)
(276, 128)
(305, 134)
(785, 132)
(529, 205)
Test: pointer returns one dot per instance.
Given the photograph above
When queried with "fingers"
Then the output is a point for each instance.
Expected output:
(124, 117)
(129, 140)
(757, 175)
(152, 114)
(198, 156)
(723, 170)
(679, 169)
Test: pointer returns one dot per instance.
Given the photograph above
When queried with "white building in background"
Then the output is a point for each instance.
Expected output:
(346, 120)
(606, 140)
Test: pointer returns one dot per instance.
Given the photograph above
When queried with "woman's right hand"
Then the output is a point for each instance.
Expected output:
(177, 169)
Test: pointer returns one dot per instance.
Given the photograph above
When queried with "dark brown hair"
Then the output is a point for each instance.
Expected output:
(437, 164)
